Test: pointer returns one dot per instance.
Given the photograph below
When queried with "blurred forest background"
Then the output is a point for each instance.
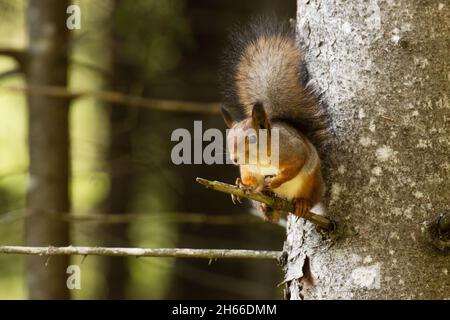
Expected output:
(119, 187)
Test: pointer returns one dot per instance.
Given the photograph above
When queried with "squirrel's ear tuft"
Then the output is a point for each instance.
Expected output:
(226, 117)
(259, 117)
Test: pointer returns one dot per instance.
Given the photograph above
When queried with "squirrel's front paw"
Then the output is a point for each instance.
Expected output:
(241, 185)
(270, 183)
(262, 186)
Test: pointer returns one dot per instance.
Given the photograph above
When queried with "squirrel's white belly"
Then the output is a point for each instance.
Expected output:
(290, 189)
(287, 190)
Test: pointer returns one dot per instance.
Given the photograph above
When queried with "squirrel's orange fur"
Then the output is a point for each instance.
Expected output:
(266, 87)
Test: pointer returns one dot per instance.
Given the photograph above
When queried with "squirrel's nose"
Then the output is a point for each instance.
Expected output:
(235, 159)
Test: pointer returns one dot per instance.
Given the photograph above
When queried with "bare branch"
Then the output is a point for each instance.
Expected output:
(271, 200)
(117, 97)
(143, 252)
(17, 54)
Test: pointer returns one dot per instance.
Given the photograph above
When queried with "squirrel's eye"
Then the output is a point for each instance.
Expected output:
(252, 139)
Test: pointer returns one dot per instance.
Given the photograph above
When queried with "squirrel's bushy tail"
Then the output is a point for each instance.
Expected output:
(264, 64)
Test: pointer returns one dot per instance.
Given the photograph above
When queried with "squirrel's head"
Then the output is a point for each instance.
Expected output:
(247, 136)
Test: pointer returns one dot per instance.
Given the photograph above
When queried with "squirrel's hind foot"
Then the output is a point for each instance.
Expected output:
(302, 207)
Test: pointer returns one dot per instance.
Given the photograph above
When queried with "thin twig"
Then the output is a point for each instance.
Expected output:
(272, 201)
(117, 97)
(143, 252)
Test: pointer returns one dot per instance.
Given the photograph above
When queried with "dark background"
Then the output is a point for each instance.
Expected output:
(120, 155)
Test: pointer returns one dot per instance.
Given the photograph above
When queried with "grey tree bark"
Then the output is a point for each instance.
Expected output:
(48, 140)
(384, 69)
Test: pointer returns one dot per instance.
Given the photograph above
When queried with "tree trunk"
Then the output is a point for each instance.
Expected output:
(49, 148)
(121, 169)
(383, 67)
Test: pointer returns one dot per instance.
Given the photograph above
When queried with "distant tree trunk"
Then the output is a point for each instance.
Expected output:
(383, 66)
(120, 165)
(48, 139)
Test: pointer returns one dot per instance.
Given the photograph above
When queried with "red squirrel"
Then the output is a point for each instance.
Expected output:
(266, 86)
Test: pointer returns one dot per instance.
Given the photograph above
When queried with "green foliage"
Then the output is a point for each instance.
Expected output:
(153, 33)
